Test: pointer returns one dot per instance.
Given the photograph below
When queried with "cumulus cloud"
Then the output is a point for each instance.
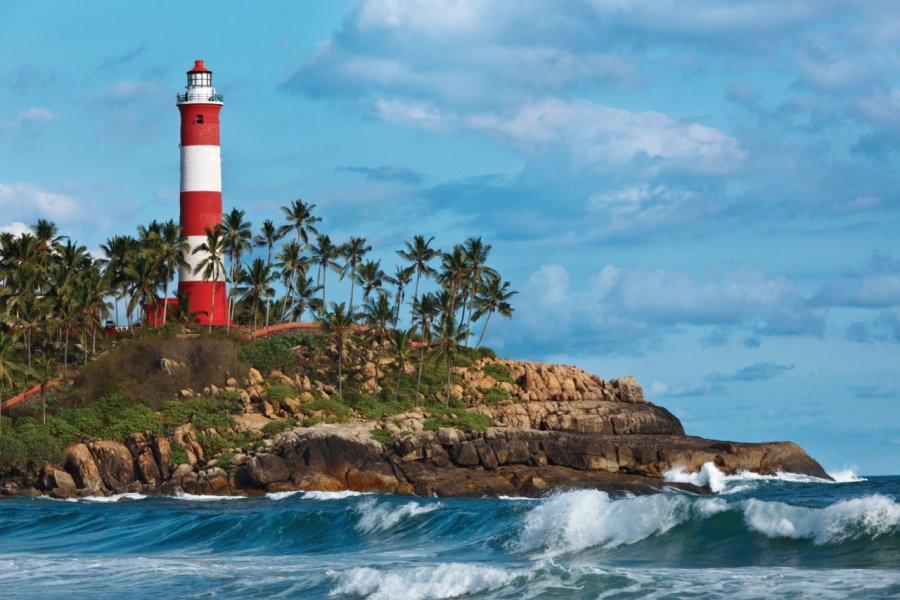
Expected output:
(618, 308)
(759, 371)
(27, 202)
(16, 228)
(876, 286)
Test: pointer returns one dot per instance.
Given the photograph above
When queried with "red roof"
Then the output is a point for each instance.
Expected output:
(199, 67)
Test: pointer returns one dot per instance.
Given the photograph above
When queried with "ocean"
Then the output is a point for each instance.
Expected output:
(757, 537)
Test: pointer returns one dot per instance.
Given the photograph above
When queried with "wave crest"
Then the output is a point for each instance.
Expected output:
(450, 580)
(381, 517)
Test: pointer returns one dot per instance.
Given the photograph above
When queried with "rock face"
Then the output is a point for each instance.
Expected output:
(500, 461)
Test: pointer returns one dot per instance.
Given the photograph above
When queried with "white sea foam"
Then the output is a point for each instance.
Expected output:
(450, 580)
(204, 497)
(581, 519)
(869, 516)
(718, 482)
(383, 516)
(332, 495)
(708, 475)
(846, 476)
(113, 498)
(281, 495)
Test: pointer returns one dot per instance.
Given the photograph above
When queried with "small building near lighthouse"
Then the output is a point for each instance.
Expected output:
(201, 193)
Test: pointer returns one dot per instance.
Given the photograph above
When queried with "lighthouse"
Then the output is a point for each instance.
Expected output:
(201, 192)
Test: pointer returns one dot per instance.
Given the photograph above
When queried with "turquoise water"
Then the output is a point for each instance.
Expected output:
(757, 538)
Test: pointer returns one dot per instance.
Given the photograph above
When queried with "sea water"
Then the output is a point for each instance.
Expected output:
(756, 537)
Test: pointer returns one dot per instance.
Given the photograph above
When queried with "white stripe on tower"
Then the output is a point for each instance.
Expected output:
(201, 169)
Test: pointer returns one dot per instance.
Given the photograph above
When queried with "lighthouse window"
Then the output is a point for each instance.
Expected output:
(199, 119)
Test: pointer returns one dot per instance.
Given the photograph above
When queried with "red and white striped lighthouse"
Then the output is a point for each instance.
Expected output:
(201, 191)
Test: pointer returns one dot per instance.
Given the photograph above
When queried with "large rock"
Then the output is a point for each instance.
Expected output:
(114, 462)
(81, 465)
(267, 468)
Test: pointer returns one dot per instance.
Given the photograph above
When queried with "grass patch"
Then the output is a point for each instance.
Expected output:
(276, 352)
(494, 396)
(277, 393)
(455, 416)
(177, 456)
(499, 371)
(383, 436)
(276, 427)
(203, 413)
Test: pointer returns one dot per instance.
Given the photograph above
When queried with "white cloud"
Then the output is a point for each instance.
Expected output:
(16, 228)
(36, 114)
(27, 202)
(125, 90)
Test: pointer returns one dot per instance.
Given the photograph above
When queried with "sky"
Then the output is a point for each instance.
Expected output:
(703, 194)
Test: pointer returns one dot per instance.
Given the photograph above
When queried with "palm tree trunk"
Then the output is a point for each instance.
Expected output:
(352, 286)
(448, 379)
(415, 296)
(340, 369)
(255, 312)
(397, 383)
(165, 302)
(324, 275)
(212, 302)
(268, 284)
(483, 329)
(66, 355)
(419, 378)
(375, 387)
(44, 403)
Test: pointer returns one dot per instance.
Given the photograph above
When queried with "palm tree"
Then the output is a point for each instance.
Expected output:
(401, 349)
(257, 289)
(236, 234)
(306, 298)
(449, 336)
(268, 235)
(371, 277)
(454, 273)
(116, 250)
(338, 324)
(93, 288)
(211, 265)
(8, 366)
(419, 253)
(169, 250)
(353, 252)
(476, 255)
(291, 262)
(401, 278)
(378, 316)
(29, 315)
(142, 278)
(324, 254)
(300, 219)
(44, 370)
(492, 297)
(425, 311)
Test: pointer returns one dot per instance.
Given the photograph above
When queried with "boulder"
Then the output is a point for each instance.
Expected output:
(81, 465)
(267, 468)
(114, 462)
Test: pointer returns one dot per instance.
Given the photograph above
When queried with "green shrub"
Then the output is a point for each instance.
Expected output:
(276, 394)
(112, 417)
(276, 427)
(224, 460)
(335, 411)
(499, 371)
(203, 413)
(28, 448)
(231, 401)
(312, 421)
(494, 396)
(177, 456)
(456, 417)
(269, 354)
(383, 436)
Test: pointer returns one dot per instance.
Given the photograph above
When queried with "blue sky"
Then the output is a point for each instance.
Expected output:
(702, 194)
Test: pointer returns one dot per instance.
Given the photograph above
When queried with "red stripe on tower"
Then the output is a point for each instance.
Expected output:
(201, 192)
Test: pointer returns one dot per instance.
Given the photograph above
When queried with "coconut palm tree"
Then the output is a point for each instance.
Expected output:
(353, 252)
(44, 370)
(300, 219)
(378, 316)
(170, 247)
(371, 278)
(425, 311)
(449, 336)
(116, 251)
(455, 270)
(291, 262)
(476, 252)
(8, 366)
(28, 313)
(268, 235)
(306, 298)
(419, 253)
(256, 289)
(142, 277)
(237, 235)
(212, 265)
(324, 254)
(401, 278)
(400, 351)
(338, 324)
(492, 298)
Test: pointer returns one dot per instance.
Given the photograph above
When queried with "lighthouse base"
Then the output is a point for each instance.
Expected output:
(207, 300)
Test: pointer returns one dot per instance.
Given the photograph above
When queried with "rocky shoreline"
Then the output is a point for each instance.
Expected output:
(561, 428)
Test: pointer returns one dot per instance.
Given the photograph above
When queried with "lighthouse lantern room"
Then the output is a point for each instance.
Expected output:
(201, 193)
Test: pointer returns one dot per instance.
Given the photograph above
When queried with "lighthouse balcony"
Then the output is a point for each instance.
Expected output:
(184, 98)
